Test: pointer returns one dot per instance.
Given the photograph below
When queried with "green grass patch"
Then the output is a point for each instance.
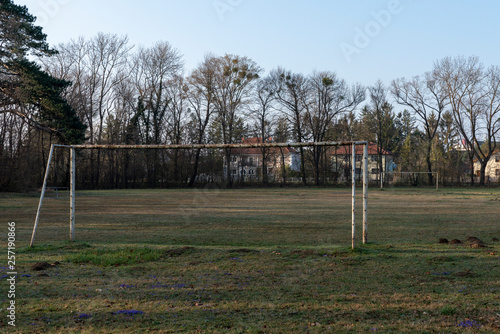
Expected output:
(124, 256)
(448, 311)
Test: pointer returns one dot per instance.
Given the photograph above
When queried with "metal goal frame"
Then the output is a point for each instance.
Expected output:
(72, 188)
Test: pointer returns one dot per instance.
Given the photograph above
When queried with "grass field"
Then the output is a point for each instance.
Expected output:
(256, 261)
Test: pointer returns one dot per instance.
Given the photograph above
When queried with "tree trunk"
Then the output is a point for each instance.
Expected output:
(195, 168)
(482, 176)
(429, 164)
(229, 181)
(472, 170)
(264, 166)
(317, 158)
(303, 166)
(283, 167)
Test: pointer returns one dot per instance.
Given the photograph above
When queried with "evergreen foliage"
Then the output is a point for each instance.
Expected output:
(25, 89)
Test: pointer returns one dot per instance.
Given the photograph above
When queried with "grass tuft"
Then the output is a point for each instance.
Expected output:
(117, 257)
(448, 310)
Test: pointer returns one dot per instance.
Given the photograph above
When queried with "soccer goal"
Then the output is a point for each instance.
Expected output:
(406, 178)
(74, 148)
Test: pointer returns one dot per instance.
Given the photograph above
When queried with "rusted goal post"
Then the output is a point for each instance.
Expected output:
(72, 187)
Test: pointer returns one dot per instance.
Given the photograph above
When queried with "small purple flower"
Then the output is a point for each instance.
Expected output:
(128, 312)
(469, 323)
(84, 316)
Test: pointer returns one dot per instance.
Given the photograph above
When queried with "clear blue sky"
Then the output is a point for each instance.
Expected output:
(361, 40)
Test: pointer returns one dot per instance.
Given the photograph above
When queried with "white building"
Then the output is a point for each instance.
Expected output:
(492, 168)
(246, 163)
(341, 158)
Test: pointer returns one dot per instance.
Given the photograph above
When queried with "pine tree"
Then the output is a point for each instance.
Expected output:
(26, 90)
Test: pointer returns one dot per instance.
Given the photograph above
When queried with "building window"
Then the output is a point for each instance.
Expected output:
(375, 171)
(359, 158)
(374, 158)
(251, 172)
(497, 172)
(234, 171)
(497, 158)
(234, 159)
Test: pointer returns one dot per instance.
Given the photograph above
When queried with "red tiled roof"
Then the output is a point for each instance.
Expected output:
(253, 140)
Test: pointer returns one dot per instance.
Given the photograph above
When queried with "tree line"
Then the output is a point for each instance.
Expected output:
(102, 90)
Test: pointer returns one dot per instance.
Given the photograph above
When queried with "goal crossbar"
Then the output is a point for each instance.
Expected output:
(215, 146)
(72, 187)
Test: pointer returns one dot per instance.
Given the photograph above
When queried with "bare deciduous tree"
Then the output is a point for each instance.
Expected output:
(201, 85)
(328, 97)
(263, 114)
(152, 70)
(378, 121)
(427, 101)
(234, 79)
(474, 97)
(291, 93)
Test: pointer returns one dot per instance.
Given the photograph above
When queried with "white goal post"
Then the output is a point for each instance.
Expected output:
(72, 187)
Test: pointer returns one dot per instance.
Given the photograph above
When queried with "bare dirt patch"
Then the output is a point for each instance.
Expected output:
(178, 251)
(40, 266)
(475, 242)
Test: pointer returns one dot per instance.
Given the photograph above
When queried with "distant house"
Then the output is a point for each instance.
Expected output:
(246, 163)
(462, 145)
(342, 161)
(492, 168)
